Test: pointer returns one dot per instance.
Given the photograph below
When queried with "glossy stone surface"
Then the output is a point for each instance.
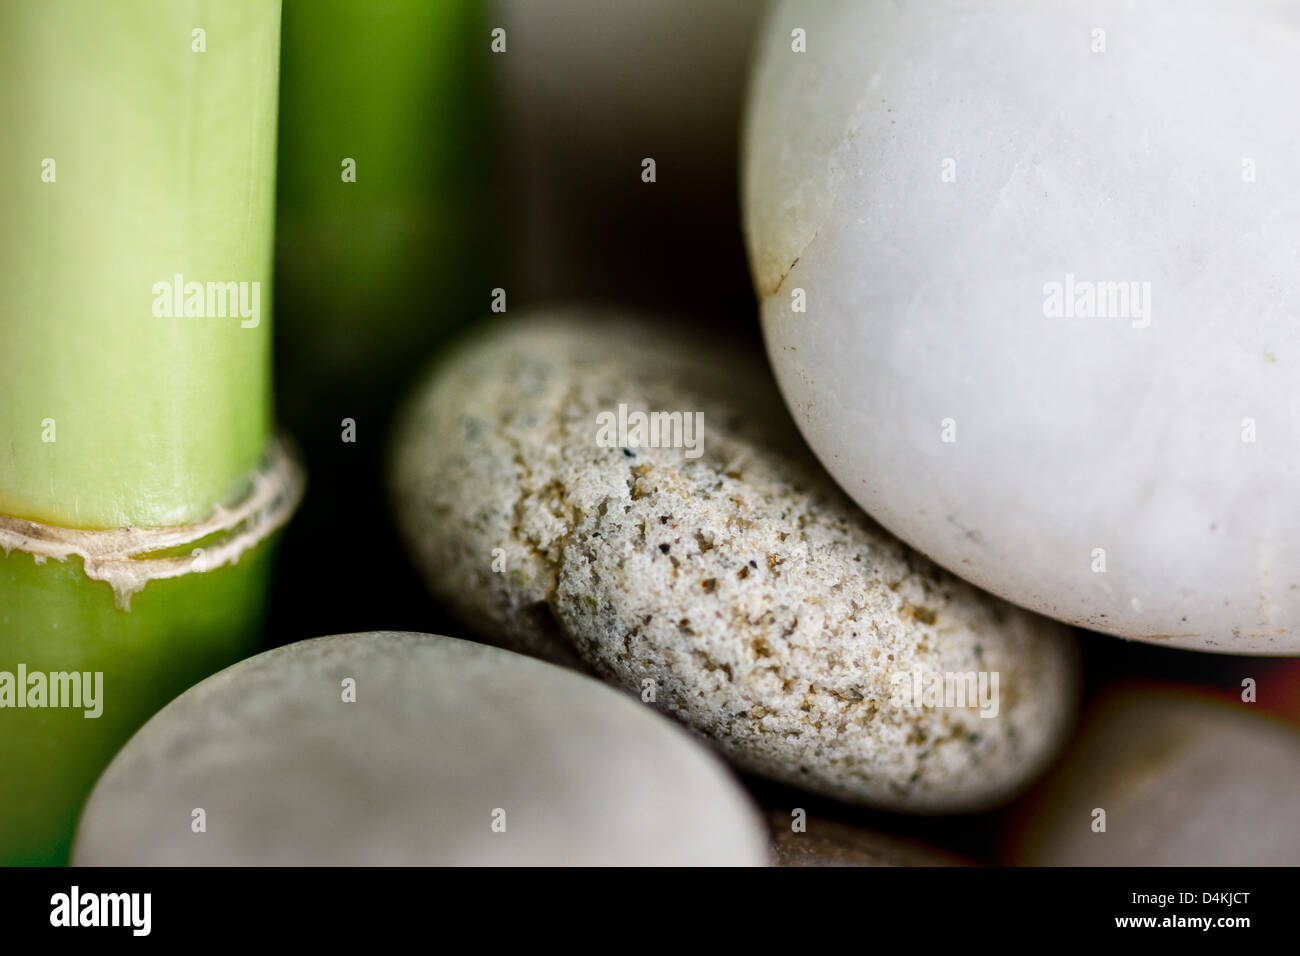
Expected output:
(943, 187)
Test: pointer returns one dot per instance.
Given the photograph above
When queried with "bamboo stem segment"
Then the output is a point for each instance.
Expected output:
(140, 484)
(139, 148)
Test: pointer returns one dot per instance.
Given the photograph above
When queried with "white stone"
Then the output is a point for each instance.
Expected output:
(925, 171)
(450, 753)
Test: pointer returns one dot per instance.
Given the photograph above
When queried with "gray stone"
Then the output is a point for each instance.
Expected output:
(738, 585)
(443, 736)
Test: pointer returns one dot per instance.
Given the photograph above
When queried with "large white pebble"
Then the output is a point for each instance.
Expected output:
(452, 753)
(942, 186)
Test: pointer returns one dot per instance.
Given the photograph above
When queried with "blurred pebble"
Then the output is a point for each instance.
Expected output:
(1183, 780)
(829, 843)
(452, 753)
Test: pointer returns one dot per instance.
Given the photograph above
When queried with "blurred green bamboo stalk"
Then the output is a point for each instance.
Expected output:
(137, 158)
(381, 208)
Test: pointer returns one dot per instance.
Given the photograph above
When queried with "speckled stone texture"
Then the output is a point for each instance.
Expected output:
(740, 587)
(441, 736)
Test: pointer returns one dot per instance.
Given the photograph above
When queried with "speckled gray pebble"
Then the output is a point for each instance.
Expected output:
(451, 753)
(738, 586)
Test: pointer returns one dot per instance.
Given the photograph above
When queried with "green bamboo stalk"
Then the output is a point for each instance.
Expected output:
(378, 260)
(376, 264)
(138, 146)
